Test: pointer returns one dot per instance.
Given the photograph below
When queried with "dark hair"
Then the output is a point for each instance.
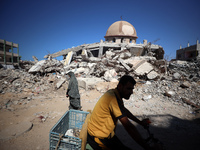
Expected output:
(125, 79)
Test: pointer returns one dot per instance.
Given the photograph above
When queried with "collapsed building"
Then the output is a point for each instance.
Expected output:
(110, 59)
(107, 61)
(121, 35)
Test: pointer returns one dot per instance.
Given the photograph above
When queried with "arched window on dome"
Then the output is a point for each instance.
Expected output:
(114, 40)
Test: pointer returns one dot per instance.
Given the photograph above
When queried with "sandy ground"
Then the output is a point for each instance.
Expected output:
(172, 123)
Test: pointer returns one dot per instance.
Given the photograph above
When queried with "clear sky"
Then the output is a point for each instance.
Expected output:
(42, 27)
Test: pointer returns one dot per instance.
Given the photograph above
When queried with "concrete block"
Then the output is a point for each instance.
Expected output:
(60, 82)
(37, 67)
(87, 83)
(152, 75)
(144, 68)
(110, 74)
(68, 58)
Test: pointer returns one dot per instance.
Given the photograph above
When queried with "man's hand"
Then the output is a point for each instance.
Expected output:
(145, 123)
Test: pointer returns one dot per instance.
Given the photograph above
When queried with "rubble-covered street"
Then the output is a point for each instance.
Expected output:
(166, 92)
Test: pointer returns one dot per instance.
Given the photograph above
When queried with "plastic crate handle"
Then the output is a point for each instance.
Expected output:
(60, 137)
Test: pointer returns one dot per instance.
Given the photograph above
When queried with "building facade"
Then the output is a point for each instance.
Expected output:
(7, 54)
(189, 53)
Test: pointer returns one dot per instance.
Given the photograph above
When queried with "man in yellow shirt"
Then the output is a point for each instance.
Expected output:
(108, 110)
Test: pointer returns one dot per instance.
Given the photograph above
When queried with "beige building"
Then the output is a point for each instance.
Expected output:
(7, 55)
(189, 53)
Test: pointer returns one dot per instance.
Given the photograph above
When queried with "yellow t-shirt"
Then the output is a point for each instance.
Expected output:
(105, 114)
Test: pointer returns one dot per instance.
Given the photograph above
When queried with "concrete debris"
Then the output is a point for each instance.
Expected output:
(99, 49)
(171, 81)
(147, 97)
(152, 75)
(110, 74)
(124, 64)
(35, 59)
(185, 84)
(143, 68)
(170, 93)
(60, 82)
(46, 66)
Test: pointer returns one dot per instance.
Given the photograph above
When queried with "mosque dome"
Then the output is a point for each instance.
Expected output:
(121, 30)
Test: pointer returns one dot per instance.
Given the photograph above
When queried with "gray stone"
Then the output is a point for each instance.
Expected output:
(94, 59)
(110, 74)
(185, 84)
(152, 75)
(109, 54)
(125, 55)
(170, 93)
(176, 75)
(147, 97)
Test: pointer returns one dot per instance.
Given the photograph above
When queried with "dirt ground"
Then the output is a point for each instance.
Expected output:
(172, 123)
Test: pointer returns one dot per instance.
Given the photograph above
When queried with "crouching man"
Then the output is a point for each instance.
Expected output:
(108, 110)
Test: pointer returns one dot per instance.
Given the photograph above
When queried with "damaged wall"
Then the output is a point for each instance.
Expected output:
(189, 53)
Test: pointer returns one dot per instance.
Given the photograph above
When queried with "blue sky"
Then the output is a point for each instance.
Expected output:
(42, 27)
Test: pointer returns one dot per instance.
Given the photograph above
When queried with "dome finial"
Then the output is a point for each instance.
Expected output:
(121, 17)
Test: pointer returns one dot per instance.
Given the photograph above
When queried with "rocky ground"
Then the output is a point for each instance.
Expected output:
(170, 101)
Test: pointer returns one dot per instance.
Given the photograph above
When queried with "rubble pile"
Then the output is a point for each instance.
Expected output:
(176, 81)
(19, 80)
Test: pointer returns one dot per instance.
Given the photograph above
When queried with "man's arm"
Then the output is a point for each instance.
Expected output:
(133, 132)
(143, 123)
(132, 117)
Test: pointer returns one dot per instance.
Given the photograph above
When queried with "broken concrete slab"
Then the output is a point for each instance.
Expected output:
(88, 83)
(125, 55)
(37, 67)
(80, 70)
(152, 75)
(15, 130)
(35, 59)
(60, 82)
(144, 68)
(94, 59)
(124, 64)
(110, 75)
(45, 66)
(68, 58)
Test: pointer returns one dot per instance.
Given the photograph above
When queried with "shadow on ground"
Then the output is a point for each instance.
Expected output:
(174, 133)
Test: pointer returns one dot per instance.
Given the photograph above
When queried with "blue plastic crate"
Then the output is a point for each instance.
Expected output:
(72, 119)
